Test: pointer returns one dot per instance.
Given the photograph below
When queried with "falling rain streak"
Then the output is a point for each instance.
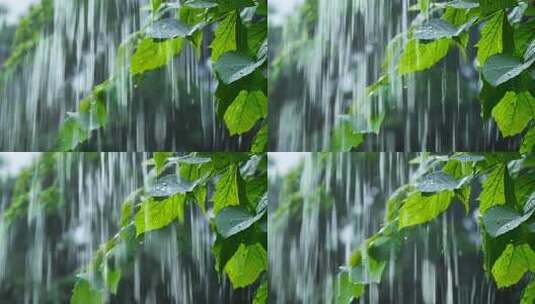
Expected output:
(81, 44)
(327, 55)
(63, 235)
(330, 203)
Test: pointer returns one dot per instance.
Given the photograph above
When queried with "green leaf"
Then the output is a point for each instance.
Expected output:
(246, 265)
(84, 294)
(418, 209)
(433, 29)
(500, 219)
(192, 159)
(437, 182)
(226, 190)
(226, 5)
(463, 4)
(169, 185)
(457, 169)
(494, 192)
(155, 5)
(419, 56)
(71, 134)
(514, 112)
(423, 5)
(155, 214)
(225, 36)
(369, 271)
(344, 138)
(256, 34)
(530, 51)
(500, 68)
(528, 142)
(261, 140)
(244, 112)
(159, 160)
(168, 28)
(200, 194)
(261, 294)
(528, 296)
(151, 55)
(233, 220)
(347, 291)
(491, 41)
(201, 3)
(256, 189)
(513, 263)
(490, 6)
(126, 212)
(233, 66)
(112, 278)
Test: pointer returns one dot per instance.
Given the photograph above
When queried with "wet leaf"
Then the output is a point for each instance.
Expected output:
(512, 264)
(437, 182)
(494, 188)
(514, 112)
(233, 220)
(201, 3)
(154, 214)
(500, 68)
(369, 271)
(193, 160)
(169, 185)
(245, 111)
(462, 4)
(528, 143)
(225, 36)
(246, 265)
(347, 291)
(261, 294)
(528, 295)
(150, 55)
(260, 140)
(501, 219)
(84, 294)
(344, 138)
(226, 191)
(159, 160)
(167, 28)
(490, 6)
(529, 206)
(419, 56)
(418, 209)
(491, 40)
(112, 278)
(435, 29)
(233, 66)
(530, 51)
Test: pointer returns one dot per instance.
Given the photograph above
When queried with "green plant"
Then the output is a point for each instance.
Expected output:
(239, 56)
(506, 205)
(238, 218)
(238, 33)
(505, 56)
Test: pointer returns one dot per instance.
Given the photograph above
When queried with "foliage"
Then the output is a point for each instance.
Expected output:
(506, 207)
(34, 185)
(238, 218)
(238, 30)
(238, 55)
(504, 55)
